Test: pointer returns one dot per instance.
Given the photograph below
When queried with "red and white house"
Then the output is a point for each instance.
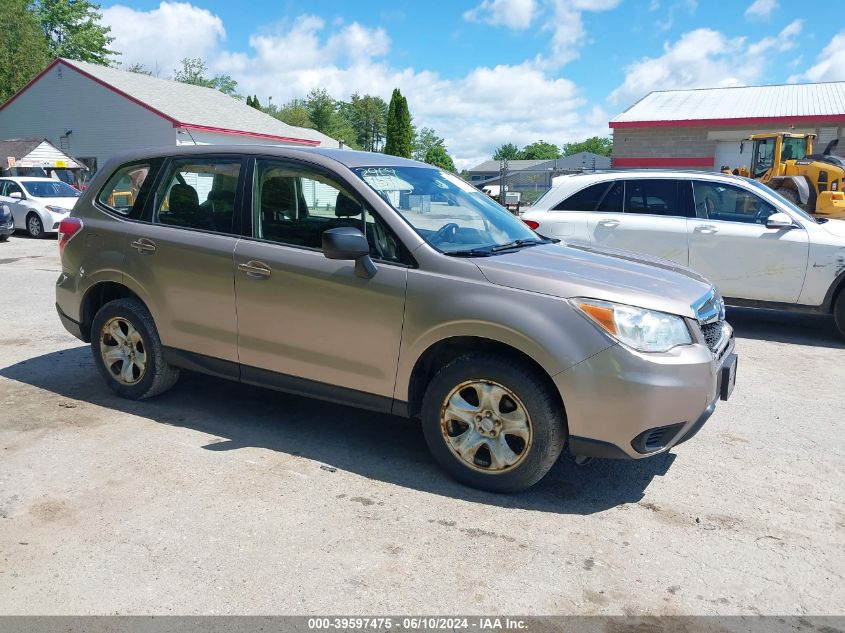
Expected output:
(702, 129)
(93, 112)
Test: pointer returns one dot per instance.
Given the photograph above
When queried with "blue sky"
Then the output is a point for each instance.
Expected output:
(486, 72)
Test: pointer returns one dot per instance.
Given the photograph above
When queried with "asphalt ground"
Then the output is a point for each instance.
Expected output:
(220, 498)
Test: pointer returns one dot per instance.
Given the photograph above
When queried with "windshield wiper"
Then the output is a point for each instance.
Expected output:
(522, 244)
(470, 252)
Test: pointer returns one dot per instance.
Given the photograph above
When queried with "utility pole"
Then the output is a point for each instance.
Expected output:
(503, 169)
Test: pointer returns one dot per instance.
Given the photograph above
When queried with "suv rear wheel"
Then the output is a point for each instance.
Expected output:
(128, 352)
(493, 423)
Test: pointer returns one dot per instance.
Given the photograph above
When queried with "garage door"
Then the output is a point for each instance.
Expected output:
(728, 154)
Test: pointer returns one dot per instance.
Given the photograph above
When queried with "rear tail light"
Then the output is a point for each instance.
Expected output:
(532, 224)
(67, 229)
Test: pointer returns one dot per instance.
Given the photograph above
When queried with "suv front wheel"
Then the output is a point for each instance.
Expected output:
(493, 423)
(839, 312)
(128, 352)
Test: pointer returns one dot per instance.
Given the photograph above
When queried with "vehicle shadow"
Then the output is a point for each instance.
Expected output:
(797, 328)
(377, 446)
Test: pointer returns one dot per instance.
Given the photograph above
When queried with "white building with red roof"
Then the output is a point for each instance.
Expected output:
(93, 112)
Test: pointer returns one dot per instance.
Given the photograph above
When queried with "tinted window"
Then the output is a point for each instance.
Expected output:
(293, 205)
(612, 200)
(718, 201)
(584, 200)
(122, 192)
(654, 197)
(199, 194)
(12, 187)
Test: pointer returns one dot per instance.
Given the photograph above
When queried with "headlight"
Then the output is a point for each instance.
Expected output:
(644, 330)
(54, 209)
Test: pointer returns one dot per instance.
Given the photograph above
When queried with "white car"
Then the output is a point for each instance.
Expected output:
(37, 204)
(759, 249)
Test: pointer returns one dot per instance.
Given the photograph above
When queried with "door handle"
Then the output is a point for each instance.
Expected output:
(144, 246)
(609, 223)
(706, 229)
(255, 269)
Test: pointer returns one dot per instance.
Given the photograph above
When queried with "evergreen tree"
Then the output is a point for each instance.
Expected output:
(508, 151)
(294, 112)
(400, 133)
(23, 49)
(72, 29)
(255, 103)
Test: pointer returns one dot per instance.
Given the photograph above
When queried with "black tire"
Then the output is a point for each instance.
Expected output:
(4, 238)
(157, 376)
(547, 421)
(34, 226)
(839, 312)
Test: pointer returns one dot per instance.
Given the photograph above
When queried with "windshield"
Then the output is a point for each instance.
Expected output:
(49, 189)
(451, 215)
(786, 202)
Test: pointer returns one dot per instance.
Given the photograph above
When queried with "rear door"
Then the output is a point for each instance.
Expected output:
(569, 219)
(181, 255)
(307, 323)
(644, 215)
(731, 246)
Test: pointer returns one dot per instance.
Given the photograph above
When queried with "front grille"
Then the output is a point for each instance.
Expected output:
(713, 334)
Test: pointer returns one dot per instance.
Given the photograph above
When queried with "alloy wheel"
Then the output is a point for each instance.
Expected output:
(486, 426)
(123, 351)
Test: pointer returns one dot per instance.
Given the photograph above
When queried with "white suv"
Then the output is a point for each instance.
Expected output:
(38, 205)
(759, 249)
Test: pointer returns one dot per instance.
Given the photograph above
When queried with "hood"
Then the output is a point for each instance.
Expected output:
(64, 203)
(835, 227)
(581, 270)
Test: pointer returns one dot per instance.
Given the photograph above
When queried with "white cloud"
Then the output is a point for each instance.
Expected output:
(761, 8)
(702, 58)
(161, 37)
(514, 14)
(567, 27)
(830, 63)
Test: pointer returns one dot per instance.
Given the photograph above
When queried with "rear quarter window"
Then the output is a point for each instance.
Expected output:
(125, 192)
(584, 200)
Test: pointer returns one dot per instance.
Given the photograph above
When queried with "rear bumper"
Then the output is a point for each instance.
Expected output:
(621, 404)
(70, 325)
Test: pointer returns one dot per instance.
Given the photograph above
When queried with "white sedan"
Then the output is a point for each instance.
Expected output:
(38, 205)
(759, 249)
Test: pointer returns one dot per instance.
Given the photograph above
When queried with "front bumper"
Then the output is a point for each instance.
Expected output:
(623, 404)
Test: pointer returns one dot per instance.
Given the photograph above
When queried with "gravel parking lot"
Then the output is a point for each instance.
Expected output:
(220, 498)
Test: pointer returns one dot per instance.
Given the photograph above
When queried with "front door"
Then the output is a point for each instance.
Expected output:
(182, 255)
(731, 246)
(307, 323)
(643, 216)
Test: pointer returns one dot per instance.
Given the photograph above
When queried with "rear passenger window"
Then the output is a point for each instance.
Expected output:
(199, 194)
(125, 191)
(612, 200)
(584, 200)
(293, 205)
(654, 197)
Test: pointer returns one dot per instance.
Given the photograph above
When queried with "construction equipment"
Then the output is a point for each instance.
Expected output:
(785, 162)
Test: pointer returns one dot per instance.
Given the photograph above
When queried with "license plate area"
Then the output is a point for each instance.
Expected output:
(727, 377)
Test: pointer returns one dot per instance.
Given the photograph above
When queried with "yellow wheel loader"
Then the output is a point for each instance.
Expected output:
(785, 162)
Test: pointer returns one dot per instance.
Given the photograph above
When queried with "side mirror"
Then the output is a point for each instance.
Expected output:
(17, 195)
(346, 242)
(779, 221)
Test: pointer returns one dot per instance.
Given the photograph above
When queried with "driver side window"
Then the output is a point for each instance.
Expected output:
(727, 203)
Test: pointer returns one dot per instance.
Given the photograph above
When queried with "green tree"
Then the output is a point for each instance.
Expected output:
(424, 140)
(321, 109)
(399, 138)
(595, 144)
(23, 50)
(73, 30)
(539, 150)
(438, 157)
(253, 102)
(508, 151)
(294, 112)
(193, 71)
(367, 117)
(138, 68)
